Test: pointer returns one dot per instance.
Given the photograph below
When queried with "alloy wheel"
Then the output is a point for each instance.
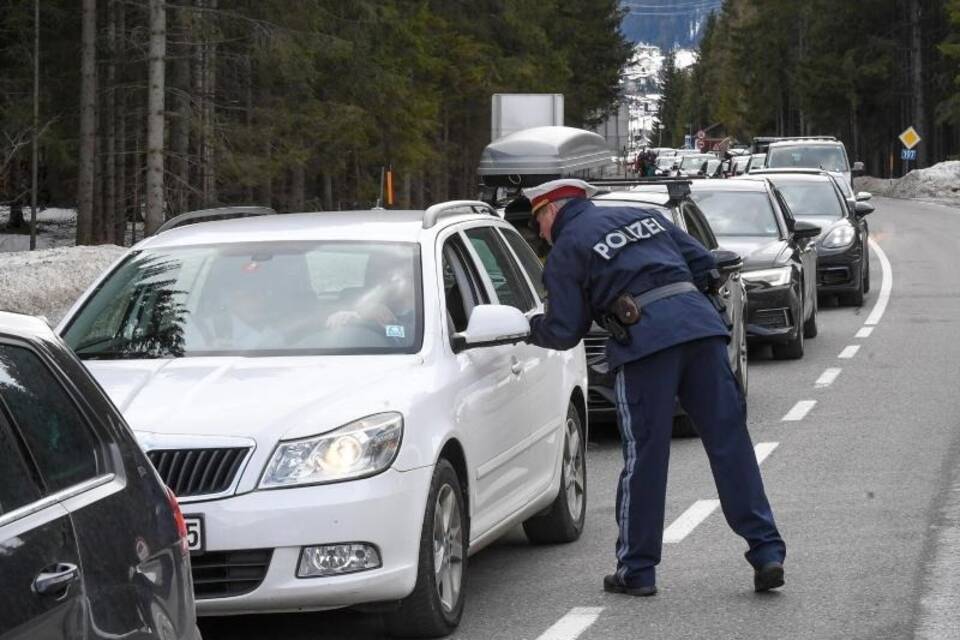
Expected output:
(573, 468)
(448, 547)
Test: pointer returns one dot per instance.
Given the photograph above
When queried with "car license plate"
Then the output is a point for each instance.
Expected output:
(194, 533)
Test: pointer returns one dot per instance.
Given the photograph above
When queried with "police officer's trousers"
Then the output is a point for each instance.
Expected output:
(698, 372)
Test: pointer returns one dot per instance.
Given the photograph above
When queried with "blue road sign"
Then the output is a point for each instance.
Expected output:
(908, 154)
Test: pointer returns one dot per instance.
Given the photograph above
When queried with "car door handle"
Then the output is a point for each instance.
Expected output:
(516, 366)
(55, 580)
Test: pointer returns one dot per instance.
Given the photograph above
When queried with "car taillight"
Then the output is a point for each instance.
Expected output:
(179, 521)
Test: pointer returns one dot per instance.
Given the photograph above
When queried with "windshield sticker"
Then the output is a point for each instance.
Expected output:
(395, 331)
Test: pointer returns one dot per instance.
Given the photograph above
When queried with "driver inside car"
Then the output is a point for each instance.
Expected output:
(387, 303)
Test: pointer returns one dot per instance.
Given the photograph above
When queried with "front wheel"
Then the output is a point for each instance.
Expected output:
(810, 328)
(563, 521)
(434, 608)
(792, 350)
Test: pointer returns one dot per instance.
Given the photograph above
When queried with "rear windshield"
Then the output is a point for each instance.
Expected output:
(808, 156)
(738, 213)
(811, 198)
(257, 299)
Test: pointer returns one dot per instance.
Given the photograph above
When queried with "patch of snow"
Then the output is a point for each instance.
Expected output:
(46, 282)
(55, 228)
(941, 182)
(684, 58)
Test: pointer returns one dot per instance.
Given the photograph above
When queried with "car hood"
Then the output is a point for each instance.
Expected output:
(264, 399)
(757, 253)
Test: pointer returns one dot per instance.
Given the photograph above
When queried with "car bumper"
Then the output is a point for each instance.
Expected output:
(385, 510)
(839, 272)
(773, 314)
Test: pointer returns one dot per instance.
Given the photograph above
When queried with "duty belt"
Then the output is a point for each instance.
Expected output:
(665, 291)
(627, 308)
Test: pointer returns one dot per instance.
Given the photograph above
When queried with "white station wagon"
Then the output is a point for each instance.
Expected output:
(343, 402)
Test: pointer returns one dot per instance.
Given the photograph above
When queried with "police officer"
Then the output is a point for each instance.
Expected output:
(633, 271)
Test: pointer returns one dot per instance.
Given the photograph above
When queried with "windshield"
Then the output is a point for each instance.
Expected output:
(694, 162)
(826, 157)
(276, 298)
(811, 198)
(738, 213)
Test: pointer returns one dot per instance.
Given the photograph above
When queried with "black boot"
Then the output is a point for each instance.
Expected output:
(767, 577)
(613, 584)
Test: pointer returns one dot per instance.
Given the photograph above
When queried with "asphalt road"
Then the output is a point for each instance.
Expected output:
(865, 486)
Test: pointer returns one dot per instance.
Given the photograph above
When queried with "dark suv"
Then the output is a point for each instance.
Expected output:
(92, 545)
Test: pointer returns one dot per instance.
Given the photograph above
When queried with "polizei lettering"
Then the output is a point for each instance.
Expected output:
(633, 232)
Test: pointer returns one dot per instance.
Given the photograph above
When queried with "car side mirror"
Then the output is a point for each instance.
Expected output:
(863, 196)
(863, 208)
(491, 325)
(804, 230)
(858, 169)
(727, 261)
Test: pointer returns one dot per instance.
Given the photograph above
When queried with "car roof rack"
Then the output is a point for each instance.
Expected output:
(211, 215)
(802, 138)
(455, 207)
(677, 188)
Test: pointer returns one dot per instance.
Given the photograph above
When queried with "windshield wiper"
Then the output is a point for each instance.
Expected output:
(122, 355)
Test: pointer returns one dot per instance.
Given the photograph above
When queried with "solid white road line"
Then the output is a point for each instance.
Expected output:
(849, 351)
(764, 449)
(573, 624)
(827, 377)
(864, 332)
(688, 520)
(885, 287)
(799, 411)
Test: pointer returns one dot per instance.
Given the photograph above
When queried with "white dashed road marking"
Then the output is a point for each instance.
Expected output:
(849, 352)
(799, 411)
(764, 449)
(885, 287)
(688, 520)
(865, 332)
(827, 377)
(573, 624)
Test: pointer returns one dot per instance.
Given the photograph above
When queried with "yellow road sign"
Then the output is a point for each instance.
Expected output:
(910, 138)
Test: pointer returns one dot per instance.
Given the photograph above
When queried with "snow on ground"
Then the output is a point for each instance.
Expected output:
(940, 183)
(46, 282)
(55, 228)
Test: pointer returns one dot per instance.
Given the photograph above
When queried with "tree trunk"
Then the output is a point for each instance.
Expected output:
(180, 127)
(155, 120)
(327, 191)
(196, 94)
(297, 187)
(88, 122)
(120, 204)
(916, 80)
(209, 113)
(108, 213)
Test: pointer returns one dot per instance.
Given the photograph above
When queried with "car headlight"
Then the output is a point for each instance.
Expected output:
(772, 277)
(362, 448)
(841, 236)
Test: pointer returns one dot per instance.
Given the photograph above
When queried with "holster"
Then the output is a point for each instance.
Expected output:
(617, 330)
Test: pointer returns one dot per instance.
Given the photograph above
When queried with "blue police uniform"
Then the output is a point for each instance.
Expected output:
(677, 349)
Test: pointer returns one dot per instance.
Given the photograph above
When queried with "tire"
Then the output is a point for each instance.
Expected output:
(563, 521)
(433, 610)
(854, 299)
(743, 369)
(810, 328)
(866, 268)
(792, 350)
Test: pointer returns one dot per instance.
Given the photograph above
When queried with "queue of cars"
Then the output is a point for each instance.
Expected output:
(343, 403)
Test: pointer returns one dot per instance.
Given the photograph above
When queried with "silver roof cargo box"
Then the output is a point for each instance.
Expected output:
(533, 156)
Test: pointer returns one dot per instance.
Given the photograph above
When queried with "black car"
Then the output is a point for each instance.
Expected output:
(682, 211)
(752, 218)
(92, 545)
(843, 258)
